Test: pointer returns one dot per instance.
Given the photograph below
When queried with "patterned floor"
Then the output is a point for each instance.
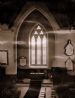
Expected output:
(44, 92)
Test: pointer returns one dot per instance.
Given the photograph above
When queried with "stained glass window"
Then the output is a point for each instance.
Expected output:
(38, 46)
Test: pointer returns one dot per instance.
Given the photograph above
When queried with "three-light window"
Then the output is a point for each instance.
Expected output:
(38, 46)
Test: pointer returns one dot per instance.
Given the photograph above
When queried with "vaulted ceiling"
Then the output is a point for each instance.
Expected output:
(63, 11)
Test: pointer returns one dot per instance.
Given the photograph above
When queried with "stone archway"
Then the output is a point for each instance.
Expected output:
(24, 14)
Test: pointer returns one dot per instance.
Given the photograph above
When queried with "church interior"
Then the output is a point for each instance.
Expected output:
(37, 49)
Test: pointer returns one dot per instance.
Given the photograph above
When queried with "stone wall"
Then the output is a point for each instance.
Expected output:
(7, 43)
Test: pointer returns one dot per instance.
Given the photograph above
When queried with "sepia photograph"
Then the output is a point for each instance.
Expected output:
(37, 48)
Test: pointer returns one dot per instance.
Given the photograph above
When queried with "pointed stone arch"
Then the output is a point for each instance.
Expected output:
(24, 14)
(45, 12)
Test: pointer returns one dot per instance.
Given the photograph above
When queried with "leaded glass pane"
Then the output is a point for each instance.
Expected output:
(38, 50)
(41, 32)
(36, 33)
(38, 27)
(44, 50)
(33, 50)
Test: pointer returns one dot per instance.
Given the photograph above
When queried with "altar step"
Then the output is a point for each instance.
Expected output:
(26, 83)
(46, 90)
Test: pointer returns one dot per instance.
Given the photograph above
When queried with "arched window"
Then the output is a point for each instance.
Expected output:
(38, 46)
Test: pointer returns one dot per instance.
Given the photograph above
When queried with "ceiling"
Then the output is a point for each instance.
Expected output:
(63, 11)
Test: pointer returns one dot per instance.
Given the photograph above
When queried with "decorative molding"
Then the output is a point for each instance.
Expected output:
(69, 49)
(69, 64)
(25, 12)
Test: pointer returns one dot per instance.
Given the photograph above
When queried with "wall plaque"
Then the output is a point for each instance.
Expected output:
(69, 50)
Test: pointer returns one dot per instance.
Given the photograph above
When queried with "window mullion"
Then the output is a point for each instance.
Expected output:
(36, 50)
(41, 50)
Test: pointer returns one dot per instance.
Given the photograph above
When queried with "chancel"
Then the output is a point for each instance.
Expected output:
(37, 51)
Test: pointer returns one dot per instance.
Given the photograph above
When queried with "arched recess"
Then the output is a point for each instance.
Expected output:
(24, 14)
(45, 12)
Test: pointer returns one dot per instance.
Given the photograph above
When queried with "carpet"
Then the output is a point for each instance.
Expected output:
(34, 89)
